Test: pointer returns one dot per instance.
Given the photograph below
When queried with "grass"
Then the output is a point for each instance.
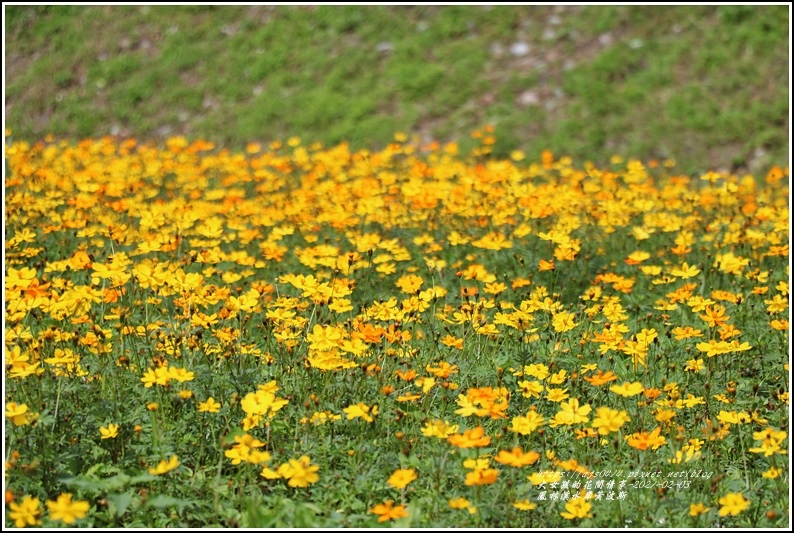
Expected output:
(357, 317)
(705, 85)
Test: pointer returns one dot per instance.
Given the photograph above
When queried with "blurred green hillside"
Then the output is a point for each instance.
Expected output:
(705, 85)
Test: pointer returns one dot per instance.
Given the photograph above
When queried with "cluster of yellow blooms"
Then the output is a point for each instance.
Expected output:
(407, 267)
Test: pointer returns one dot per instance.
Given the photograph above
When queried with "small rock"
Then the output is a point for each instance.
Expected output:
(385, 47)
(519, 49)
(605, 39)
(528, 98)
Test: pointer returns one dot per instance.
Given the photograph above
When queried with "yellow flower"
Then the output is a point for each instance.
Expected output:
(664, 415)
(685, 271)
(531, 389)
(462, 503)
(67, 511)
(524, 505)
(627, 389)
(608, 420)
(770, 441)
(458, 503)
(209, 406)
(556, 395)
(537, 371)
(402, 477)
(268, 473)
(439, 429)
(26, 512)
(524, 425)
(694, 365)
(732, 417)
(547, 476)
(110, 432)
(163, 467)
(479, 463)
(696, 509)
(558, 378)
(264, 401)
(409, 284)
(577, 508)
(733, 504)
(563, 322)
(361, 410)
(246, 450)
(772, 473)
(157, 376)
(18, 414)
(571, 413)
(299, 472)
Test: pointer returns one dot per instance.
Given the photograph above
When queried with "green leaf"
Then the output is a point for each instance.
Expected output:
(119, 503)
(145, 477)
(91, 485)
(161, 501)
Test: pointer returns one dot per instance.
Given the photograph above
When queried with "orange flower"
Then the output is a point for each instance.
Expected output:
(644, 440)
(452, 342)
(482, 476)
(714, 316)
(516, 457)
(387, 511)
(601, 378)
(443, 370)
(471, 438)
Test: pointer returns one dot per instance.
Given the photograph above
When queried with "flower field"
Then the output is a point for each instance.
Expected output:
(311, 336)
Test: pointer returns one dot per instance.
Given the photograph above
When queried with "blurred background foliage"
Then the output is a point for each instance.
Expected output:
(705, 85)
